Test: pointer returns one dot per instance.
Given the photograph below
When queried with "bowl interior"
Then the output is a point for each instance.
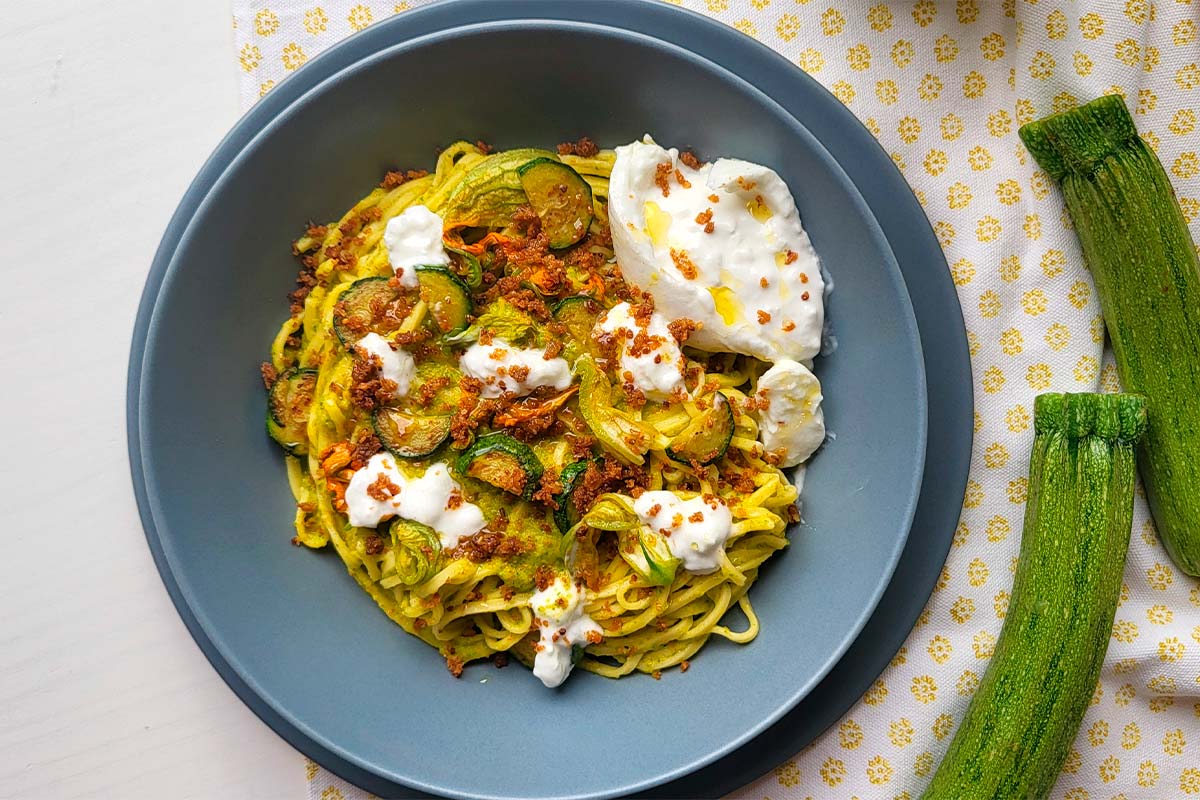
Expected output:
(296, 627)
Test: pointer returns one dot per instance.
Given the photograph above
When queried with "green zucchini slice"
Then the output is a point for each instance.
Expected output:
(409, 435)
(443, 397)
(706, 438)
(561, 198)
(288, 402)
(488, 195)
(505, 463)
(566, 515)
(363, 308)
(579, 314)
(416, 549)
(448, 298)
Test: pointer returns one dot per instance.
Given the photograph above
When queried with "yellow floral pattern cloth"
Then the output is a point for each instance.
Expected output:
(944, 86)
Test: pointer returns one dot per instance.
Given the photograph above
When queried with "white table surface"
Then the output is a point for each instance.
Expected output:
(107, 109)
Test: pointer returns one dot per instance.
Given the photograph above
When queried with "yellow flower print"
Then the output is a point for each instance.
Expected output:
(843, 91)
(717, 6)
(1086, 369)
(1063, 101)
(993, 380)
(923, 12)
(973, 495)
(974, 85)
(1083, 65)
(1188, 77)
(943, 580)
(1109, 381)
(360, 17)
(924, 689)
(1159, 614)
(875, 695)
(1189, 781)
(977, 572)
(1151, 139)
(1194, 596)
(945, 48)
(1186, 166)
(1016, 418)
(1150, 537)
(1009, 192)
(1072, 762)
(973, 349)
(1131, 736)
(1097, 694)
(879, 771)
(962, 609)
(850, 735)
(909, 129)
(992, 46)
(832, 22)
(293, 56)
(1056, 25)
(1138, 11)
(945, 232)
(1196, 636)
(747, 27)
(1123, 697)
(939, 649)
(1091, 25)
(903, 52)
(1010, 268)
(1042, 65)
(923, 764)
(315, 21)
(980, 159)
(332, 793)
(1183, 32)
(901, 732)
(984, 645)
(962, 271)
(265, 87)
(1097, 329)
(1080, 294)
(951, 126)
(995, 456)
(880, 18)
(1147, 774)
(1170, 649)
(249, 57)
(1147, 100)
(403, 6)
(1190, 207)
(1117, 91)
(999, 123)
(989, 304)
(1125, 631)
(811, 61)
(930, 87)
(967, 11)
(1150, 58)
(967, 683)
(1183, 122)
(1097, 733)
(833, 771)
(1058, 336)
(1124, 667)
(1157, 705)
(961, 534)
(1018, 488)
(998, 529)
(1039, 184)
(788, 774)
(1024, 110)
(1038, 376)
(1033, 222)
(1162, 684)
(266, 22)
(1034, 302)
(788, 26)
(1011, 343)
(1160, 576)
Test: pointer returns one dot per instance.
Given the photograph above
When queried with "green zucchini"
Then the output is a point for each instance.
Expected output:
(363, 308)
(505, 463)
(706, 438)
(416, 548)
(409, 435)
(579, 314)
(444, 397)
(617, 431)
(448, 298)
(566, 515)
(487, 196)
(561, 198)
(1147, 275)
(466, 266)
(1023, 717)
(288, 402)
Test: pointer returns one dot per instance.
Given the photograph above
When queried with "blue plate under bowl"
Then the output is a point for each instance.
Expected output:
(288, 627)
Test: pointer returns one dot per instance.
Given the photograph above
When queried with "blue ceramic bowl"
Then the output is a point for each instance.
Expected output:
(291, 624)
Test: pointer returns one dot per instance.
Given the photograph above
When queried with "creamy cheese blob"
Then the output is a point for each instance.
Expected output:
(793, 423)
(695, 529)
(506, 368)
(379, 490)
(723, 246)
(558, 612)
(649, 355)
(396, 366)
(413, 238)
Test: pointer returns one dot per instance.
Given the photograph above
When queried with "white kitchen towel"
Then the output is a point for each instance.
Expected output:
(944, 87)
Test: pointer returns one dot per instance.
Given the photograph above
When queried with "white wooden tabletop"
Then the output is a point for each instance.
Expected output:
(107, 109)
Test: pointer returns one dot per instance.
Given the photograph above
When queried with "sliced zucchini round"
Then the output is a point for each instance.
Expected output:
(445, 400)
(706, 438)
(288, 402)
(566, 515)
(365, 303)
(579, 314)
(409, 435)
(505, 463)
(448, 298)
(416, 548)
(467, 267)
(561, 198)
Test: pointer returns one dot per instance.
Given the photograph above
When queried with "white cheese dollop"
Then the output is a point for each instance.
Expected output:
(505, 368)
(434, 499)
(396, 366)
(726, 250)
(657, 369)
(413, 238)
(695, 529)
(558, 611)
(793, 423)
